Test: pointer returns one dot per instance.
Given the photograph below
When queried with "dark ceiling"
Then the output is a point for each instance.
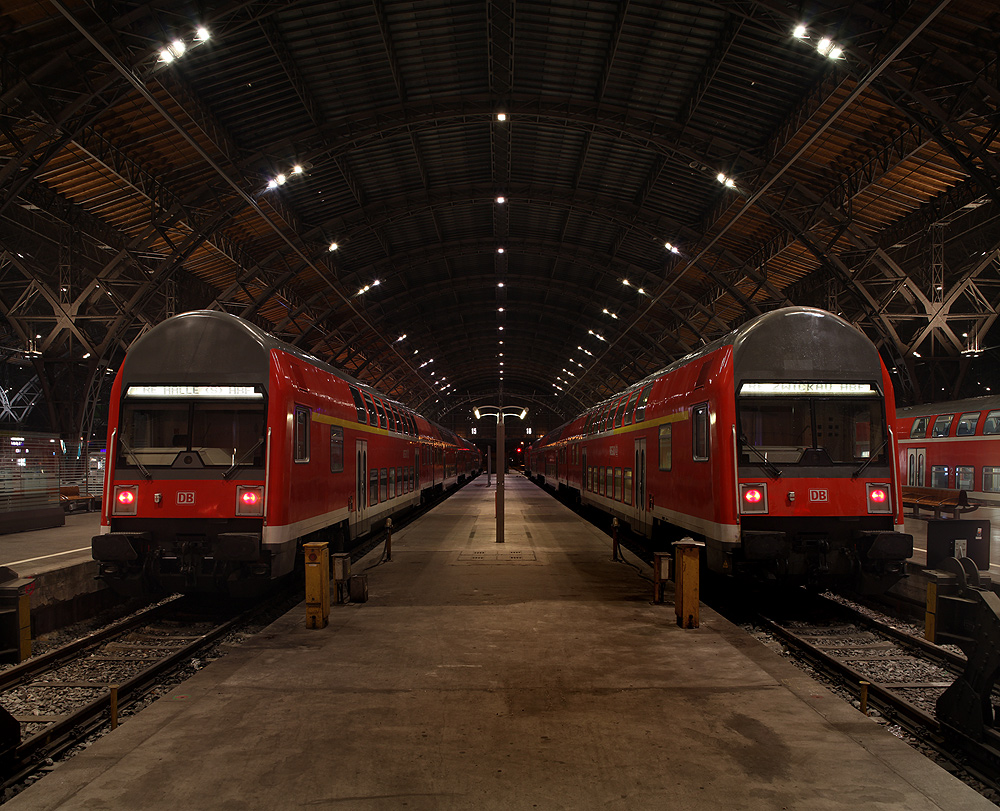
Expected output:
(132, 187)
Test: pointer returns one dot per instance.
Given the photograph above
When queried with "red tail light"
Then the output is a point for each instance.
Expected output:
(753, 498)
(249, 500)
(878, 499)
(126, 500)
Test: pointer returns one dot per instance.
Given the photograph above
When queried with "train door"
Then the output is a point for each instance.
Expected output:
(583, 470)
(641, 512)
(361, 519)
(916, 460)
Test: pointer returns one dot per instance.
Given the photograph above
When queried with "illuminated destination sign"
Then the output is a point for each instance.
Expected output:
(209, 392)
(807, 388)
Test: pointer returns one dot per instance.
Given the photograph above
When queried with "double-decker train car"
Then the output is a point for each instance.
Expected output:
(952, 446)
(228, 448)
(774, 445)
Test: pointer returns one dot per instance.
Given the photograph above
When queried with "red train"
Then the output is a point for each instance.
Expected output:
(954, 446)
(228, 448)
(773, 445)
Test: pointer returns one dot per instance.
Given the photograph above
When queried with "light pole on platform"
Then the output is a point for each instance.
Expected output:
(501, 414)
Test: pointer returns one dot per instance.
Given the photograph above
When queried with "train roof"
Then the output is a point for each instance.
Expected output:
(221, 348)
(770, 346)
(783, 344)
(987, 402)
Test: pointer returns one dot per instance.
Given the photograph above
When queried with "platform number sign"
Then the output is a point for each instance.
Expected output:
(819, 495)
(185, 496)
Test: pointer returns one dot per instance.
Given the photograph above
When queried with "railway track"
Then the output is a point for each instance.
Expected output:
(57, 700)
(896, 673)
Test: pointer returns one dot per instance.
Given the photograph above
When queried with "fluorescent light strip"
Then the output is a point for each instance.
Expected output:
(208, 392)
(807, 388)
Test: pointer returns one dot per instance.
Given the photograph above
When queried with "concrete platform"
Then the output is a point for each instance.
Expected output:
(533, 674)
(58, 559)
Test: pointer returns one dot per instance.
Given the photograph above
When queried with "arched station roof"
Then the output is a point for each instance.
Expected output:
(668, 170)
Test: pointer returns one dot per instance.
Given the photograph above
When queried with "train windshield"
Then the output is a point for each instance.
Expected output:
(205, 430)
(781, 430)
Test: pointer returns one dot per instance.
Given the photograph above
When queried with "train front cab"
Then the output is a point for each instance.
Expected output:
(817, 487)
(185, 505)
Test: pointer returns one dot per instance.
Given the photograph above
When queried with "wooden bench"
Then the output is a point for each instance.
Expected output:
(939, 500)
(70, 498)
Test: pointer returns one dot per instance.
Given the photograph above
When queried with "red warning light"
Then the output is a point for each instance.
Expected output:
(126, 497)
(878, 496)
(251, 497)
(752, 496)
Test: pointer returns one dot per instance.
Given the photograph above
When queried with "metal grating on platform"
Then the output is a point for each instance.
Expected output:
(495, 556)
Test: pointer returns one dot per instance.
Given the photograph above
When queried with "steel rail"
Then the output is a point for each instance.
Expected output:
(44, 662)
(914, 720)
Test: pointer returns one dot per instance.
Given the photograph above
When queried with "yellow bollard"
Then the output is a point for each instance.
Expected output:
(864, 696)
(317, 557)
(930, 615)
(686, 593)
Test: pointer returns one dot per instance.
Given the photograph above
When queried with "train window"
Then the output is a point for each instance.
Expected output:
(666, 450)
(618, 484)
(301, 434)
(336, 449)
(392, 483)
(220, 433)
(919, 428)
(373, 487)
(640, 403)
(992, 423)
(359, 404)
(380, 409)
(383, 485)
(967, 424)
(372, 415)
(609, 482)
(627, 494)
(991, 479)
(942, 425)
(699, 432)
(413, 427)
(630, 408)
(811, 431)
(965, 477)
(609, 417)
(620, 412)
(939, 476)
(399, 481)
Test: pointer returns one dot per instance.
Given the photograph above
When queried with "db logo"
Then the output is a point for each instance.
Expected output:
(185, 497)
(819, 495)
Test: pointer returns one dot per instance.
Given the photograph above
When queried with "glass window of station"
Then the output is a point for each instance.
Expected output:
(194, 426)
(788, 425)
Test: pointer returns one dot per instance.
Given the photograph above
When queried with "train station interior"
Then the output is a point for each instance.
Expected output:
(517, 278)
